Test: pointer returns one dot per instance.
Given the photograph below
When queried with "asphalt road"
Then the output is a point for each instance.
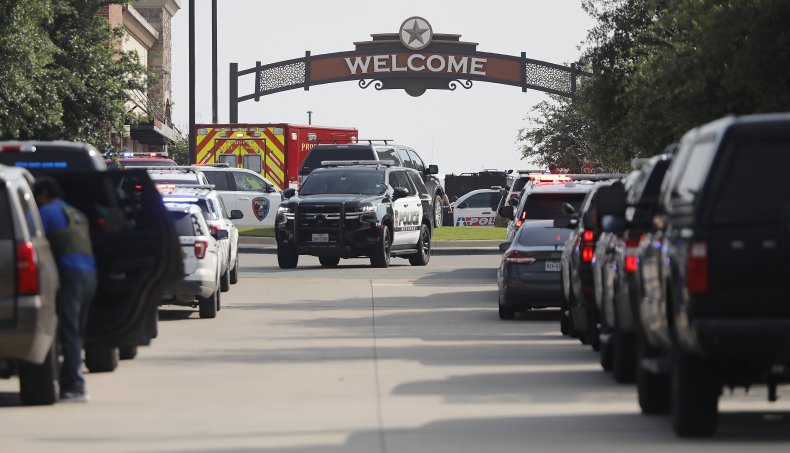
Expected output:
(356, 359)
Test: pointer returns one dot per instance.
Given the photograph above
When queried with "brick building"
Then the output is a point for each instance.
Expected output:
(147, 27)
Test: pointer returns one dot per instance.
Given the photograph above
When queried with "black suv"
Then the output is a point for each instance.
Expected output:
(400, 155)
(716, 311)
(372, 210)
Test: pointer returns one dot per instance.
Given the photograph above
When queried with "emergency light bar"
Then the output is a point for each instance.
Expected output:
(179, 200)
(349, 163)
(18, 147)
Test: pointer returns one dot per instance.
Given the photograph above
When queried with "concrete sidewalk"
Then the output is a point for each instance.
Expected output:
(248, 244)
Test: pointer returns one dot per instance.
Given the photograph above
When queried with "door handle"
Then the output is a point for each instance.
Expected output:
(486, 213)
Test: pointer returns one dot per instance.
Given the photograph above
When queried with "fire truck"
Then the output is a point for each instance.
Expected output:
(275, 151)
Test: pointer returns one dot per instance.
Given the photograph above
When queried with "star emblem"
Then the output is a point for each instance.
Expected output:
(415, 33)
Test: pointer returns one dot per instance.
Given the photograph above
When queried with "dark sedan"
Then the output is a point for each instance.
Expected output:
(529, 276)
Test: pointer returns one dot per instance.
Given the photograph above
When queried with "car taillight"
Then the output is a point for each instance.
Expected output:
(521, 219)
(200, 249)
(516, 257)
(587, 254)
(26, 269)
(631, 263)
(697, 268)
(588, 236)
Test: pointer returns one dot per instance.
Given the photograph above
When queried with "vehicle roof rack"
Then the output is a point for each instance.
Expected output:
(351, 163)
(371, 140)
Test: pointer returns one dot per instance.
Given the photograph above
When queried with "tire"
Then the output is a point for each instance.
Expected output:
(606, 356)
(380, 255)
(438, 212)
(506, 314)
(219, 300)
(695, 396)
(38, 384)
(207, 306)
(287, 257)
(652, 389)
(234, 273)
(329, 261)
(127, 352)
(224, 280)
(101, 359)
(423, 254)
(623, 357)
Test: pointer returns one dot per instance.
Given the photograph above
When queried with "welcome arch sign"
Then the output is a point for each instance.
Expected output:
(415, 59)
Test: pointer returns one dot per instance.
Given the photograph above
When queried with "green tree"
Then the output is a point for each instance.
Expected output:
(179, 151)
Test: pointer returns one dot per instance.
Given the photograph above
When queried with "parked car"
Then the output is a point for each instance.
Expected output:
(28, 283)
(247, 191)
(169, 177)
(399, 155)
(134, 243)
(477, 208)
(716, 311)
(529, 274)
(200, 247)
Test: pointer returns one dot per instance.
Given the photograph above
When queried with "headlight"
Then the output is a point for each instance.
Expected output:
(284, 210)
(365, 208)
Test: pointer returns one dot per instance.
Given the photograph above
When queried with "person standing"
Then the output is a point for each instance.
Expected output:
(68, 233)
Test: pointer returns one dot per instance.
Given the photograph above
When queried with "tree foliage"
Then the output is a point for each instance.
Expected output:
(62, 75)
(660, 68)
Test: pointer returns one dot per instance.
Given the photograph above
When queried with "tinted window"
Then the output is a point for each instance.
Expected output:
(246, 182)
(53, 159)
(184, 223)
(399, 179)
(519, 184)
(418, 165)
(363, 182)
(404, 157)
(695, 169)
(763, 199)
(219, 179)
(26, 201)
(549, 205)
(322, 153)
(479, 200)
(6, 231)
(543, 236)
(417, 181)
(388, 154)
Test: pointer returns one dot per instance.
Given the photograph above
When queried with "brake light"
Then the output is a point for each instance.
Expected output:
(516, 257)
(12, 148)
(26, 269)
(588, 235)
(631, 264)
(587, 254)
(200, 249)
(17, 147)
(697, 268)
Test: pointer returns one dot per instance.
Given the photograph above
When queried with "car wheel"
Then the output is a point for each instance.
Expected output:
(38, 384)
(207, 306)
(287, 257)
(606, 356)
(423, 254)
(652, 389)
(380, 256)
(695, 396)
(329, 261)
(224, 280)
(565, 323)
(506, 313)
(101, 359)
(234, 273)
(127, 352)
(438, 212)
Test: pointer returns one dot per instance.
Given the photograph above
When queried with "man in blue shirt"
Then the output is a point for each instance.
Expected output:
(68, 233)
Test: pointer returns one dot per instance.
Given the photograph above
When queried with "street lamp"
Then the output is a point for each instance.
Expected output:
(309, 117)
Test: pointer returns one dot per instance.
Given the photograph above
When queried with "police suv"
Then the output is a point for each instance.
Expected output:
(354, 209)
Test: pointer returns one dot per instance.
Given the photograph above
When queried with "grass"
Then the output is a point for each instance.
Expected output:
(267, 232)
(469, 234)
(439, 234)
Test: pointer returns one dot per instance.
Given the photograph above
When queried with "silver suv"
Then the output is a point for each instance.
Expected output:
(28, 282)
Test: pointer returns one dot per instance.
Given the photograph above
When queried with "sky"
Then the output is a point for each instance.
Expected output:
(460, 131)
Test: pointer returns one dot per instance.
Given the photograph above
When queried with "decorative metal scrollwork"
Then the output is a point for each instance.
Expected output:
(278, 77)
(549, 77)
(377, 84)
(454, 84)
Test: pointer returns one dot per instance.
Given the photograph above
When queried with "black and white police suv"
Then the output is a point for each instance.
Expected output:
(354, 209)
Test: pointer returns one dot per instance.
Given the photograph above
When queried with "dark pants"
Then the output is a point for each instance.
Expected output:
(75, 293)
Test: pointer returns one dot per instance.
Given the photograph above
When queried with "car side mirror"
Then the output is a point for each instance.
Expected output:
(504, 246)
(236, 214)
(513, 201)
(564, 221)
(507, 212)
(568, 210)
(270, 189)
(289, 192)
(432, 170)
(400, 192)
(221, 234)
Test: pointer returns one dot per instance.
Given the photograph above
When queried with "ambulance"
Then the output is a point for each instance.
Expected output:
(275, 151)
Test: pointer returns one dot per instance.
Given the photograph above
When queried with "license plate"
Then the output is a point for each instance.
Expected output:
(553, 266)
(321, 237)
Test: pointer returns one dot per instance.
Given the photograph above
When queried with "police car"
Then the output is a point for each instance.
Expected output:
(247, 191)
(354, 209)
(478, 207)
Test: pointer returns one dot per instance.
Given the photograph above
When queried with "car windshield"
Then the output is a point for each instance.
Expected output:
(549, 205)
(547, 235)
(339, 152)
(362, 182)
